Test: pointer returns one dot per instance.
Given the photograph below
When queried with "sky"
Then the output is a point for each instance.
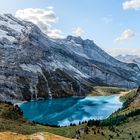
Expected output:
(114, 25)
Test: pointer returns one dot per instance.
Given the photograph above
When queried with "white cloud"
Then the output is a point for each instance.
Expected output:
(43, 18)
(127, 34)
(50, 7)
(123, 51)
(55, 33)
(131, 4)
(78, 31)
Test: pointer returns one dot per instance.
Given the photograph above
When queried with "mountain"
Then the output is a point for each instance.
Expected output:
(32, 65)
(129, 59)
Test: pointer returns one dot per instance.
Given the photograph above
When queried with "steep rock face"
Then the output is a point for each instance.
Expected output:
(32, 65)
(129, 59)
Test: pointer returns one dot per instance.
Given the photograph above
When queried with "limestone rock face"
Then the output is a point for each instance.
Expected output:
(130, 59)
(32, 65)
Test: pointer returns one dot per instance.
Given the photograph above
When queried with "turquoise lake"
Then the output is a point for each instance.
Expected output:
(64, 111)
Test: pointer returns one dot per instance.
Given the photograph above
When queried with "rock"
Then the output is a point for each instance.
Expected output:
(130, 59)
(33, 66)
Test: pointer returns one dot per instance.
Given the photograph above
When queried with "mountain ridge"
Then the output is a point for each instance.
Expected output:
(129, 59)
(35, 66)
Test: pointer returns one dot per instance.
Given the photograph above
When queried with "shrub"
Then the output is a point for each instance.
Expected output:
(118, 135)
(110, 136)
(102, 134)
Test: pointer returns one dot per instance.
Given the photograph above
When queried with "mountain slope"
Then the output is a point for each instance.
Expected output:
(13, 125)
(32, 65)
(129, 59)
(122, 124)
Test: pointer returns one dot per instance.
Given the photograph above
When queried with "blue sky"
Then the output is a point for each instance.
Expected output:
(113, 24)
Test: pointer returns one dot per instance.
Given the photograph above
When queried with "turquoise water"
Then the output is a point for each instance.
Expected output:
(65, 111)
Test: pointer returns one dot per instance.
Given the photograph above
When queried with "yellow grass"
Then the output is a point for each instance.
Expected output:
(36, 136)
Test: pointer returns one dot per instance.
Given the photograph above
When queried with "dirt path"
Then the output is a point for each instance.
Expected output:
(36, 136)
(123, 93)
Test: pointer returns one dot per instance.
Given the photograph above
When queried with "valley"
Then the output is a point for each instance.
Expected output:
(123, 124)
(64, 88)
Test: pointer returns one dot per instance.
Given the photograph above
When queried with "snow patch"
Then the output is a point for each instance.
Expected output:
(11, 24)
(3, 34)
(57, 65)
(31, 68)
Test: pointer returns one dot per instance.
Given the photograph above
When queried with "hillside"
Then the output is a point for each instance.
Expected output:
(106, 91)
(33, 65)
(123, 124)
(36, 136)
(12, 121)
(129, 59)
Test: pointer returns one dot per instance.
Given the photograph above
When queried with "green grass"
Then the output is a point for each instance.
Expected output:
(128, 128)
(129, 109)
(128, 96)
(129, 104)
(10, 120)
(105, 91)
(69, 131)
(123, 124)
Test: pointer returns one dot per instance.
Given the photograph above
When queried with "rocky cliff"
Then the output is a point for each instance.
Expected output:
(32, 65)
(129, 59)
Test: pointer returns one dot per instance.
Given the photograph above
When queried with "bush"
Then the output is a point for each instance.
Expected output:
(110, 136)
(93, 123)
(102, 134)
(119, 119)
(118, 135)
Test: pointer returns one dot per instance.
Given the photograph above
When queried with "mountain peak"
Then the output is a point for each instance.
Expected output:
(129, 59)
(34, 65)
(77, 40)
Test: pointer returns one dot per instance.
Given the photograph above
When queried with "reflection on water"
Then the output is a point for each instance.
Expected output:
(65, 111)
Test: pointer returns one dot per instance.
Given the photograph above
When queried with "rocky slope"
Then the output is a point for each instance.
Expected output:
(32, 65)
(129, 59)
